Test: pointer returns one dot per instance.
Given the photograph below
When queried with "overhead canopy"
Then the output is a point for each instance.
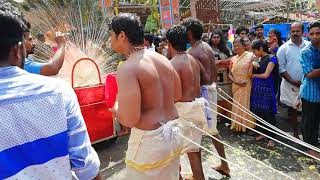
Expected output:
(235, 10)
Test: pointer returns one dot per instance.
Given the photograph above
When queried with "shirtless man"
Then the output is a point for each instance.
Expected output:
(148, 86)
(188, 107)
(204, 53)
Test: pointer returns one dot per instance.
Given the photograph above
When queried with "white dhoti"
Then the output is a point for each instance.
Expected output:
(155, 154)
(289, 94)
(210, 94)
(192, 112)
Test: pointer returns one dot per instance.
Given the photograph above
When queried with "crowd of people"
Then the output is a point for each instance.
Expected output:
(262, 75)
(165, 97)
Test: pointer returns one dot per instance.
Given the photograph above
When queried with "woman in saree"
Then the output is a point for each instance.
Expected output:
(240, 74)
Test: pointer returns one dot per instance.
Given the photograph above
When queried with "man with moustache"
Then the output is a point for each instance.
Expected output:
(291, 72)
(47, 69)
(259, 30)
(204, 53)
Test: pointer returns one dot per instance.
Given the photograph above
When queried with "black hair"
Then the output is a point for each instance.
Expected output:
(149, 37)
(278, 35)
(131, 25)
(177, 36)
(240, 40)
(257, 44)
(313, 24)
(194, 26)
(11, 31)
(242, 28)
(222, 46)
(226, 30)
(251, 34)
(258, 26)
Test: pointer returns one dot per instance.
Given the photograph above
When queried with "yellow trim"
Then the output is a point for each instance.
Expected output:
(155, 165)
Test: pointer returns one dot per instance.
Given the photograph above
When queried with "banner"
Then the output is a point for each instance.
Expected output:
(166, 14)
(106, 7)
(175, 11)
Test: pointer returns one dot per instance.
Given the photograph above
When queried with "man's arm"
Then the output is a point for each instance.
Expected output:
(84, 160)
(288, 78)
(313, 74)
(203, 73)
(177, 87)
(281, 56)
(53, 68)
(129, 96)
(177, 80)
(213, 64)
(307, 68)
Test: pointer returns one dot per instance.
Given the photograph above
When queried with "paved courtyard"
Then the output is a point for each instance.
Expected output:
(294, 164)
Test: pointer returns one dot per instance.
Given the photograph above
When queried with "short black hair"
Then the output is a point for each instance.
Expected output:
(177, 36)
(313, 24)
(225, 30)
(194, 26)
(149, 37)
(242, 28)
(257, 44)
(131, 25)
(258, 26)
(11, 31)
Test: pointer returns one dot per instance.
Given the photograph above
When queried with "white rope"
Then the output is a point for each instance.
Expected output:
(280, 172)
(264, 135)
(270, 130)
(288, 136)
(219, 157)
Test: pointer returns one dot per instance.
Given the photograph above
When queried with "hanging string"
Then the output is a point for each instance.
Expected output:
(283, 134)
(260, 162)
(264, 134)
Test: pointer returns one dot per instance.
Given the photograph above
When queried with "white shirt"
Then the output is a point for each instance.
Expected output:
(151, 48)
(288, 58)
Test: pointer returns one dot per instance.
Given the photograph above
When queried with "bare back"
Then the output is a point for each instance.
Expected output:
(157, 84)
(188, 69)
(204, 53)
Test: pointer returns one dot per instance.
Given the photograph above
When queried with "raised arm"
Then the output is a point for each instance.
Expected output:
(282, 67)
(53, 67)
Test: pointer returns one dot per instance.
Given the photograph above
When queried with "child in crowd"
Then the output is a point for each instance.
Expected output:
(263, 100)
